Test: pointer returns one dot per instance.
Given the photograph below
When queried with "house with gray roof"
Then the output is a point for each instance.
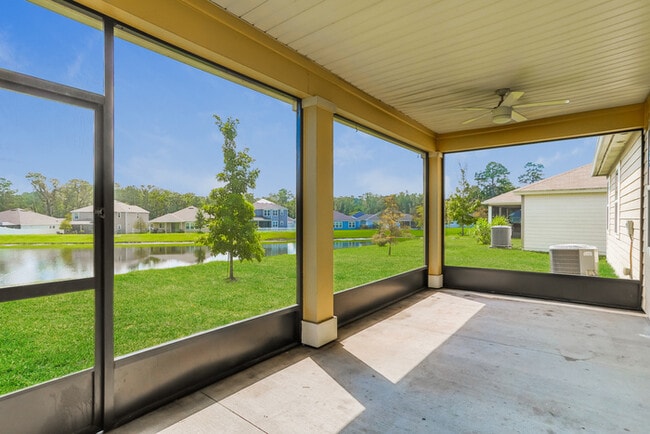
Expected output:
(343, 221)
(128, 219)
(23, 221)
(269, 215)
(183, 220)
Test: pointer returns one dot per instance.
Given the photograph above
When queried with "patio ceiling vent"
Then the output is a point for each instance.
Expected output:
(578, 259)
(502, 237)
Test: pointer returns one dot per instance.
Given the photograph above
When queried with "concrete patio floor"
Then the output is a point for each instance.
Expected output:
(441, 362)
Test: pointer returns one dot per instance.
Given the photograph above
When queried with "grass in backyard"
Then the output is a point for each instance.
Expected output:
(361, 265)
(165, 238)
(47, 337)
(464, 251)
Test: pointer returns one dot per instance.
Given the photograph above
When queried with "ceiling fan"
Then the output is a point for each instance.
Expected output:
(504, 111)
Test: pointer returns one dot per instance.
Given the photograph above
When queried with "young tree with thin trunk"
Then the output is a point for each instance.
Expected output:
(390, 229)
(228, 212)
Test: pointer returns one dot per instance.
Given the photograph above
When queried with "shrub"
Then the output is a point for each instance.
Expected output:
(483, 229)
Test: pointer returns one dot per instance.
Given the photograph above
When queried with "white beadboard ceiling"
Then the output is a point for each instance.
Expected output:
(426, 57)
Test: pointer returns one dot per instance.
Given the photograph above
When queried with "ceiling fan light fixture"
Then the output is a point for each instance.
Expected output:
(502, 115)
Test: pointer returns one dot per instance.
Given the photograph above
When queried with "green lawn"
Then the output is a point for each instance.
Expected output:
(464, 251)
(179, 238)
(47, 337)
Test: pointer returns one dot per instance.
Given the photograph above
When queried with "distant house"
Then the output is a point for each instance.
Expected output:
(183, 220)
(618, 159)
(22, 221)
(569, 208)
(367, 220)
(129, 219)
(342, 221)
(407, 221)
(271, 215)
(507, 205)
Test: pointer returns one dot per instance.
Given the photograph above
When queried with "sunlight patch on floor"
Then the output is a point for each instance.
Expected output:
(302, 391)
(397, 345)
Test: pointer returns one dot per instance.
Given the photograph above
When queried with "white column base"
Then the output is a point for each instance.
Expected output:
(435, 281)
(317, 335)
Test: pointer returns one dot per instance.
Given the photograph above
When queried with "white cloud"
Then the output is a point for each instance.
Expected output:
(8, 59)
(74, 68)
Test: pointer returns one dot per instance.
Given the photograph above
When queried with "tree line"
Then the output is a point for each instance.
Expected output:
(51, 197)
(464, 207)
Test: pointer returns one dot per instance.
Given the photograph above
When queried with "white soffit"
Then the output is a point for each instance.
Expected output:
(425, 58)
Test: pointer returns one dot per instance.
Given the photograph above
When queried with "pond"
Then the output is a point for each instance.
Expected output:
(20, 266)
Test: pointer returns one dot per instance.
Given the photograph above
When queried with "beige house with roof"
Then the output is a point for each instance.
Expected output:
(128, 219)
(183, 220)
(22, 221)
(568, 208)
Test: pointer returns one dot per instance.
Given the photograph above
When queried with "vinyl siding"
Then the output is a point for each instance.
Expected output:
(567, 218)
(618, 242)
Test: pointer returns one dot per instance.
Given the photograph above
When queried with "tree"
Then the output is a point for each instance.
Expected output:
(229, 213)
(74, 194)
(48, 195)
(463, 203)
(7, 194)
(533, 172)
(286, 199)
(200, 222)
(419, 216)
(66, 224)
(389, 227)
(140, 226)
(493, 181)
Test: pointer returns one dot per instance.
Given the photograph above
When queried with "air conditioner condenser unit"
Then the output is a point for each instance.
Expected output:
(578, 259)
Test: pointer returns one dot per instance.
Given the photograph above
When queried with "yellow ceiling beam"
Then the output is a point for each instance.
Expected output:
(206, 30)
(583, 124)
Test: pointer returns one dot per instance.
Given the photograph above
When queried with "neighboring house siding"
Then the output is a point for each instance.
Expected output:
(549, 219)
(626, 180)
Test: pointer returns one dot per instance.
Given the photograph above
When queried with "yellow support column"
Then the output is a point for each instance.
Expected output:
(319, 325)
(435, 220)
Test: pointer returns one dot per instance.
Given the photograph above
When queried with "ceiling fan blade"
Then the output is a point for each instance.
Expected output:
(512, 97)
(543, 103)
(518, 117)
(472, 109)
(469, 121)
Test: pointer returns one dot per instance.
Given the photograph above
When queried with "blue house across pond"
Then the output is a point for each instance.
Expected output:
(342, 221)
(270, 215)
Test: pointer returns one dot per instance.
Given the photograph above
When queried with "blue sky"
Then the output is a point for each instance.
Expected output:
(164, 130)
(556, 157)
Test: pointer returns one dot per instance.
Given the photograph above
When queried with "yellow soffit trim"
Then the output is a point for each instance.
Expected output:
(592, 123)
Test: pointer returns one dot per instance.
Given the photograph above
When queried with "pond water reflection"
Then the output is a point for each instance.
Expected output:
(21, 266)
